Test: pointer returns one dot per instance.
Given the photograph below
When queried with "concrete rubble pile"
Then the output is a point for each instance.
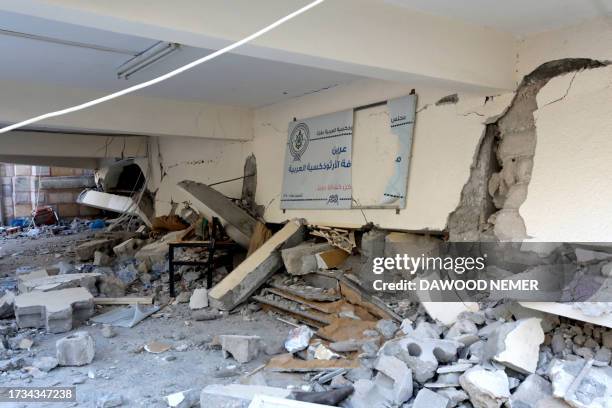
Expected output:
(343, 345)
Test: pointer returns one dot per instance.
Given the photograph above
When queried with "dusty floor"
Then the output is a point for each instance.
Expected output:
(120, 365)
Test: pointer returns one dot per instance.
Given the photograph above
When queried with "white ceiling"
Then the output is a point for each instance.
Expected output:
(230, 79)
(518, 17)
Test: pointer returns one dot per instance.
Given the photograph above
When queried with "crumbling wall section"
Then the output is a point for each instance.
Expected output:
(507, 187)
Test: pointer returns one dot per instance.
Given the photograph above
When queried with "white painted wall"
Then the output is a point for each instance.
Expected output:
(444, 145)
(570, 193)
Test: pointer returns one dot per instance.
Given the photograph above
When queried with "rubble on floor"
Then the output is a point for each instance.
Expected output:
(346, 346)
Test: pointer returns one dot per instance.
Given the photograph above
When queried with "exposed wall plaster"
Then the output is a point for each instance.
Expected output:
(507, 188)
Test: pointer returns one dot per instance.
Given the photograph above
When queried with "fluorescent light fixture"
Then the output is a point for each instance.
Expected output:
(162, 78)
(149, 56)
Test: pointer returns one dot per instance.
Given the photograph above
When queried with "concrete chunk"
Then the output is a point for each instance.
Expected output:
(517, 345)
(183, 399)
(301, 259)
(242, 348)
(245, 279)
(422, 355)
(198, 299)
(87, 250)
(58, 311)
(7, 304)
(429, 399)
(401, 375)
(487, 389)
(534, 392)
(76, 349)
(128, 248)
(580, 384)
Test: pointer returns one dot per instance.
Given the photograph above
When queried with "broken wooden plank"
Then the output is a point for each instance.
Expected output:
(224, 207)
(254, 271)
(308, 322)
(342, 329)
(325, 307)
(146, 300)
(321, 318)
(287, 363)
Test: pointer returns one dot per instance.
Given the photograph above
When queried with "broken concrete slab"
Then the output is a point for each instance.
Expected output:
(76, 349)
(242, 222)
(569, 310)
(58, 313)
(57, 282)
(429, 399)
(237, 395)
(247, 277)
(534, 392)
(487, 389)
(517, 345)
(242, 348)
(401, 375)
(114, 203)
(301, 259)
(101, 259)
(581, 384)
(198, 299)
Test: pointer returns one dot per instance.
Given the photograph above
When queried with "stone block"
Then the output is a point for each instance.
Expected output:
(242, 348)
(77, 349)
(57, 311)
(517, 345)
(487, 389)
(301, 259)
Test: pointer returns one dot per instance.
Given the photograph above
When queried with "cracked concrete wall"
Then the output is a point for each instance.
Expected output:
(202, 160)
(446, 137)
